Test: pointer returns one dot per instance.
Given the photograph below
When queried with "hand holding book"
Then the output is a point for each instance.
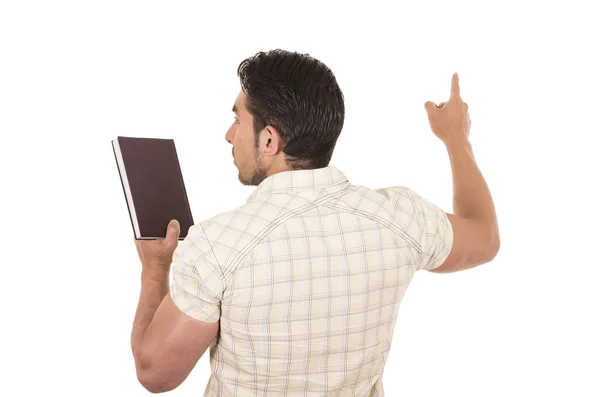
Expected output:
(159, 253)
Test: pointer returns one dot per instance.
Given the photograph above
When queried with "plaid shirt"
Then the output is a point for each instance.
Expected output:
(306, 279)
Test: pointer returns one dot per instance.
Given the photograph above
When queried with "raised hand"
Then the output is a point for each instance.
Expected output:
(450, 120)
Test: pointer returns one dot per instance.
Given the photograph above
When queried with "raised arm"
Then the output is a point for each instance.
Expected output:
(475, 227)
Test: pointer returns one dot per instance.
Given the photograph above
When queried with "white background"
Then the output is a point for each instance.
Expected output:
(74, 75)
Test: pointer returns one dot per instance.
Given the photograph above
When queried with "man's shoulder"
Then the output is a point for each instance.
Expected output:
(230, 231)
(396, 191)
(248, 218)
(405, 198)
(402, 206)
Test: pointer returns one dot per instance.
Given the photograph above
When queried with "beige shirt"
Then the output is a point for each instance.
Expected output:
(306, 279)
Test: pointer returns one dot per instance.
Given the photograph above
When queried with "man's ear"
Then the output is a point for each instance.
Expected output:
(270, 141)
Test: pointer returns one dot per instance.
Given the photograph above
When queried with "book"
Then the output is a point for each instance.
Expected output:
(153, 186)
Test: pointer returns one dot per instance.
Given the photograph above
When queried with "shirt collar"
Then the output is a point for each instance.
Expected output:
(301, 180)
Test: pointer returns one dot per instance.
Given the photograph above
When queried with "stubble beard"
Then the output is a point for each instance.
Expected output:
(259, 174)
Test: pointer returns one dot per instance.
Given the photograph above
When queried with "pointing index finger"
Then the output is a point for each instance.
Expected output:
(455, 90)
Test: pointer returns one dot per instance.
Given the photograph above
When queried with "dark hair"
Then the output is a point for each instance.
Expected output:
(299, 96)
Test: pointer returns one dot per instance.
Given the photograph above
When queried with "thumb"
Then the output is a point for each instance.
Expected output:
(173, 230)
(430, 106)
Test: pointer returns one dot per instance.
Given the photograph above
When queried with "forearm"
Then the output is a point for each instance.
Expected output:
(155, 286)
(472, 197)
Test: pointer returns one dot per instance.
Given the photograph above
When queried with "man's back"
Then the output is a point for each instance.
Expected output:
(306, 279)
(300, 287)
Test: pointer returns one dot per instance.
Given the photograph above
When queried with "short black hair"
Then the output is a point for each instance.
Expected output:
(299, 96)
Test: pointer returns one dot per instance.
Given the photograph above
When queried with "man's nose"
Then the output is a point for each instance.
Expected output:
(229, 135)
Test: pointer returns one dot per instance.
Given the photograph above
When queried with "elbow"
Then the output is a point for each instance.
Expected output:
(494, 247)
(153, 383)
(152, 379)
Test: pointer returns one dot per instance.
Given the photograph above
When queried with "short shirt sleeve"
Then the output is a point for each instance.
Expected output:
(197, 286)
(425, 223)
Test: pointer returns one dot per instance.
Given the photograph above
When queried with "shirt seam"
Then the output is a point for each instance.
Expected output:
(248, 248)
(212, 250)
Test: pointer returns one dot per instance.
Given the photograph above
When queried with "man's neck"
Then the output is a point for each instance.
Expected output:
(277, 168)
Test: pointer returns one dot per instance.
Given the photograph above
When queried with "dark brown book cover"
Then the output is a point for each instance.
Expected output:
(153, 186)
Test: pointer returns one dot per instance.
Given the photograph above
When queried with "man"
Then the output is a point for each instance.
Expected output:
(297, 291)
